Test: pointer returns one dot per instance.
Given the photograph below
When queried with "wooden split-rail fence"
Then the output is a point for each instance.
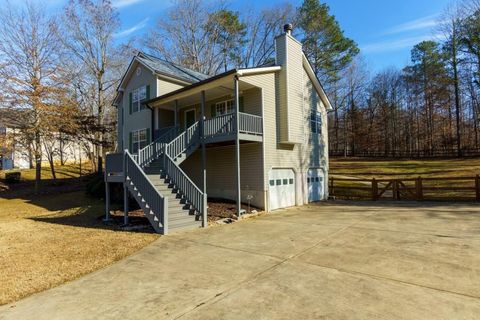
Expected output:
(418, 189)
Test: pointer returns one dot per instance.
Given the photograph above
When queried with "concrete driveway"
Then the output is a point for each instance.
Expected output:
(341, 260)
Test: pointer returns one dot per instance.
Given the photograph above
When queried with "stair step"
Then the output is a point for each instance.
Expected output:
(181, 225)
(181, 218)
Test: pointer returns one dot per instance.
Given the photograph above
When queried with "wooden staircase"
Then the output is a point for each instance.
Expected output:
(181, 214)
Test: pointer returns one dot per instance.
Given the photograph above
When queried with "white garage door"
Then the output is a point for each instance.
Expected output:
(316, 184)
(281, 188)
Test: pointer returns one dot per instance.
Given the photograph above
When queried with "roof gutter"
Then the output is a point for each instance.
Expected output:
(234, 72)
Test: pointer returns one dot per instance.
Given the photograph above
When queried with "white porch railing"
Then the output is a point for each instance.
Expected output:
(250, 124)
(154, 149)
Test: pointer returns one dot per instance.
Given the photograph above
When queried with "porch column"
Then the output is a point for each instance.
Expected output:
(237, 146)
(204, 162)
(107, 200)
(176, 113)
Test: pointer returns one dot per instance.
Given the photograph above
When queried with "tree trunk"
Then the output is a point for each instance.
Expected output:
(38, 163)
(457, 91)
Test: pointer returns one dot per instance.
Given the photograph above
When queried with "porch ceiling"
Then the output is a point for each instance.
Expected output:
(193, 96)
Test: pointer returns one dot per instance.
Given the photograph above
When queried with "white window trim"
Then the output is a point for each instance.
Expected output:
(318, 122)
(137, 104)
(224, 104)
(139, 141)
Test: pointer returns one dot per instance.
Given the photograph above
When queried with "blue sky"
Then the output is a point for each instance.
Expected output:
(385, 30)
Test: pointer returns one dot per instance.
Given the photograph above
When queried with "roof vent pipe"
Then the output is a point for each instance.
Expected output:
(288, 28)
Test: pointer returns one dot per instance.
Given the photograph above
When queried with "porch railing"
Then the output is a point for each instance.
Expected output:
(219, 126)
(250, 124)
(225, 125)
(157, 203)
(154, 149)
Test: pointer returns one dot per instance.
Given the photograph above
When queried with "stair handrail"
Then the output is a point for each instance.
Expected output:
(177, 176)
(151, 152)
(157, 203)
(183, 141)
(181, 181)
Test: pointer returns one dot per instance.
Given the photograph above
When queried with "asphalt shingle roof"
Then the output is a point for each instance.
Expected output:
(168, 68)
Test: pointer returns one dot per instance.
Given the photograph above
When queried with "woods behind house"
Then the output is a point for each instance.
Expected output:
(429, 108)
(60, 71)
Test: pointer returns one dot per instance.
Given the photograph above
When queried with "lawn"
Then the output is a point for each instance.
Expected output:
(58, 236)
(67, 171)
(391, 169)
(354, 168)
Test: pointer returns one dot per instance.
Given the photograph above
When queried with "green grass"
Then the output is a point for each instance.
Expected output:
(405, 169)
(394, 169)
(67, 171)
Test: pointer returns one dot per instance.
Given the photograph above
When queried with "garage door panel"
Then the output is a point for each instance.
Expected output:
(281, 188)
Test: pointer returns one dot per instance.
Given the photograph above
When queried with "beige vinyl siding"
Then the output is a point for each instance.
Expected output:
(221, 172)
(165, 86)
(295, 91)
(310, 152)
(281, 83)
(289, 84)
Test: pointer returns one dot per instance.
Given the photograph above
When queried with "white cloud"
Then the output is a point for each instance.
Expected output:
(125, 3)
(396, 44)
(417, 24)
(125, 33)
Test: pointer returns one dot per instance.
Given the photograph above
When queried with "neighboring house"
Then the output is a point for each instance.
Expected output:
(271, 151)
(13, 155)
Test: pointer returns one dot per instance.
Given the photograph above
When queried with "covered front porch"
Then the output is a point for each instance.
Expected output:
(214, 107)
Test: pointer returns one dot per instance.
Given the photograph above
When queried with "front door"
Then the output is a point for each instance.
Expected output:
(189, 118)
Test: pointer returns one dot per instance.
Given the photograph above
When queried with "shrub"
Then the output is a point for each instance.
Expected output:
(12, 177)
(96, 187)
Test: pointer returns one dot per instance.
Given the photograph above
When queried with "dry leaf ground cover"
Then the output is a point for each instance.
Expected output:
(52, 238)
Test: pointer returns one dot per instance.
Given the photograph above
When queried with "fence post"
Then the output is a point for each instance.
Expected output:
(331, 187)
(394, 190)
(374, 189)
(477, 187)
(419, 188)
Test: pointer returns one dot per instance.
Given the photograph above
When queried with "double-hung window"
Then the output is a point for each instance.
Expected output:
(316, 122)
(224, 107)
(139, 140)
(137, 97)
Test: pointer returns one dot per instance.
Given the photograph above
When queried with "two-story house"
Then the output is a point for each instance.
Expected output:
(256, 134)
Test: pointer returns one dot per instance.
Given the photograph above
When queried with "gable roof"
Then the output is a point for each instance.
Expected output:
(316, 82)
(159, 67)
(169, 69)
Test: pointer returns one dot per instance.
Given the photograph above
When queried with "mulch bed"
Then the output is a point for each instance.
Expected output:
(217, 210)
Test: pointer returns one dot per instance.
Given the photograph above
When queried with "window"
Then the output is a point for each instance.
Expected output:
(138, 95)
(279, 182)
(272, 183)
(285, 182)
(290, 181)
(139, 140)
(316, 122)
(224, 107)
